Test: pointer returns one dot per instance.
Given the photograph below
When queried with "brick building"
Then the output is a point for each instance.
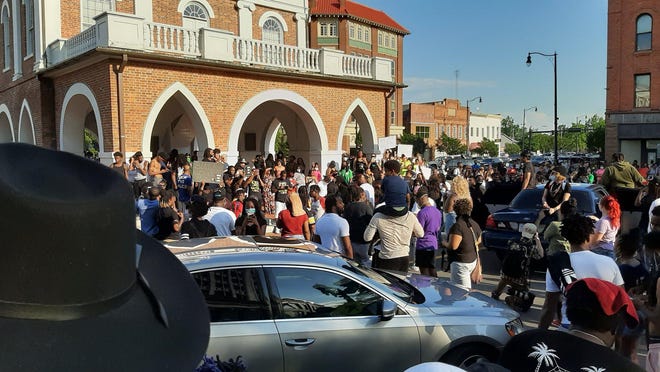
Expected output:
(154, 75)
(633, 80)
(431, 119)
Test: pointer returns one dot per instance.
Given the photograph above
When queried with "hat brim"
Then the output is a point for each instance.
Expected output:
(130, 337)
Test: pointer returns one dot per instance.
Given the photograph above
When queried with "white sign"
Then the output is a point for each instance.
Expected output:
(405, 150)
(385, 143)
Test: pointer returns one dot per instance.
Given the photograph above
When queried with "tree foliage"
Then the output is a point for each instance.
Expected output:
(596, 134)
(512, 148)
(91, 144)
(419, 145)
(281, 142)
(509, 128)
(452, 146)
(487, 147)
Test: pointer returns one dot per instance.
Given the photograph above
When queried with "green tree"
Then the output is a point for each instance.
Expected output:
(596, 134)
(508, 127)
(419, 145)
(281, 141)
(512, 148)
(452, 146)
(91, 144)
(487, 147)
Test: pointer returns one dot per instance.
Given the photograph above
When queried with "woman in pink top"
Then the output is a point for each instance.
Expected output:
(602, 240)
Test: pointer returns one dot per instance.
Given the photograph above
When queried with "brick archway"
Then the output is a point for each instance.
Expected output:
(78, 103)
(358, 109)
(6, 125)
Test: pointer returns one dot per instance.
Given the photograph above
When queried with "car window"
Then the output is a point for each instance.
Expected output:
(585, 201)
(394, 285)
(310, 293)
(528, 199)
(234, 294)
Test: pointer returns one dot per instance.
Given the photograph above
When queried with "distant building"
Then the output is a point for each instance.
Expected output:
(432, 119)
(632, 112)
(484, 126)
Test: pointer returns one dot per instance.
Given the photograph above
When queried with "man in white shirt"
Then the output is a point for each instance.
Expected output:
(368, 189)
(222, 218)
(332, 230)
(585, 264)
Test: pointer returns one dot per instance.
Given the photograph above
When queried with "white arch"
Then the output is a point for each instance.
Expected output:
(184, 3)
(372, 141)
(271, 136)
(25, 107)
(302, 106)
(83, 90)
(4, 109)
(5, 4)
(160, 103)
(270, 14)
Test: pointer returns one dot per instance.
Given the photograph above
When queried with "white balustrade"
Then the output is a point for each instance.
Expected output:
(258, 52)
(79, 44)
(167, 38)
(356, 66)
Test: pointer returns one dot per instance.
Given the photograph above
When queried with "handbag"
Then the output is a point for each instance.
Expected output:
(476, 275)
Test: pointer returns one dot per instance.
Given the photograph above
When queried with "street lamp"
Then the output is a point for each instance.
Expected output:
(522, 142)
(467, 104)
(529, 62)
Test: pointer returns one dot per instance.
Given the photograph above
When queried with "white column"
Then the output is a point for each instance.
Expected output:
(51, 20)
(144, 9)
(39, 48)
(245, 9)
(301, 29)
(16, 24)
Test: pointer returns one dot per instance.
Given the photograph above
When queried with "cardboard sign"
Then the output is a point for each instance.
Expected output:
(385, 143)
(206, 171)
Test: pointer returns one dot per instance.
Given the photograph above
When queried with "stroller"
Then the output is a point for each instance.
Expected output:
(515, 274)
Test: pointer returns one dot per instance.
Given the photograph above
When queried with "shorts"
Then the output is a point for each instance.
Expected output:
(653, 358)
(461, 273)
(425, 258)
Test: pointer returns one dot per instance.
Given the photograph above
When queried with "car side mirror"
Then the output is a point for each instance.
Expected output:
(388, 310)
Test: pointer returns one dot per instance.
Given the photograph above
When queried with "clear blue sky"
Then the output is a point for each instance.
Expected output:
(487, 42)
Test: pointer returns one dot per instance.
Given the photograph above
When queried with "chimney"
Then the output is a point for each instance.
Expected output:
(342, 6)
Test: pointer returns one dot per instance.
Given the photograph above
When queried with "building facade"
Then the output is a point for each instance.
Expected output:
(433, 119)
(633, 80)
(157, 75)
(485, 126)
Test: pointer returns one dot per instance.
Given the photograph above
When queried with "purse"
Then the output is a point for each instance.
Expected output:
(476, 275)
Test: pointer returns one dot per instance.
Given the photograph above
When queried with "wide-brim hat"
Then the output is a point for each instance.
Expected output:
(81, 289)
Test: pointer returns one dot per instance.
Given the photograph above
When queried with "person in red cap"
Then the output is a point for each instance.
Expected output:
(594, 308)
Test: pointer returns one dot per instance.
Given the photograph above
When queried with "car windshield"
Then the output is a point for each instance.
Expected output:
(398, 287)
(531, 199)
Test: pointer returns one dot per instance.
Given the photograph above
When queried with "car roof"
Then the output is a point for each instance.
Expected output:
(204, 253)
(579, 186)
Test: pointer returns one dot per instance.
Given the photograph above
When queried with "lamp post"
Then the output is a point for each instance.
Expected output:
(467, 104)
(529, 62)
(522, 142)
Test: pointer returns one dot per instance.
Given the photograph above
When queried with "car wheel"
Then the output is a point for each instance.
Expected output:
(466, 355)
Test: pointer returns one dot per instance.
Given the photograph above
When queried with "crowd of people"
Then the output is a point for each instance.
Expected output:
(395, 212)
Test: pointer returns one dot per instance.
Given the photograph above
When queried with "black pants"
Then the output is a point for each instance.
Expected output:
(137, 188)
(394, 264)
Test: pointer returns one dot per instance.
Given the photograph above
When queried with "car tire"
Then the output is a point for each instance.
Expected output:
(465, 355)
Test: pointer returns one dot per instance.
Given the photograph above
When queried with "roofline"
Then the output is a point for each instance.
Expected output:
(401, 31)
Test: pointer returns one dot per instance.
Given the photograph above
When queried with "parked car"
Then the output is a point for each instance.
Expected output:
(506, 224)
(285, 305)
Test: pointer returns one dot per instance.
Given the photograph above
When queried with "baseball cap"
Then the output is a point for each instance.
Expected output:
(529, 230)
(612, 298)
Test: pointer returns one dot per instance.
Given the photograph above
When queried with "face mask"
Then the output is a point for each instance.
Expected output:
(250, 211)
(553, 178)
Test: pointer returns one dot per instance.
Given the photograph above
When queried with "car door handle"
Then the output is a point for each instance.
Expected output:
(300, 342)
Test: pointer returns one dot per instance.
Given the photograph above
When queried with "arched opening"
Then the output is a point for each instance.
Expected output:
(255, 128)
(357, 130)
(25, 126)
(6, 127)
(80, 115)
(177, 121)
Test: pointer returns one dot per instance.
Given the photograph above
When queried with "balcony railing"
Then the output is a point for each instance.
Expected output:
(126, 31)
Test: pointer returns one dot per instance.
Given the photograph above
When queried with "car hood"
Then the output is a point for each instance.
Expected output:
(516, 215)
(444, 298)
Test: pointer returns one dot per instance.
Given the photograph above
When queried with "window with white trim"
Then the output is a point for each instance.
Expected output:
(643, 90)
(29, 27)
(359, 32)
(387, 40)
(92, 8)
(644, 30)
(6, 37)
(195, 16)
(351, 31)
(272, 31)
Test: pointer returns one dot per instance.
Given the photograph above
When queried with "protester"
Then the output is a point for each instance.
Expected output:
(528, 179)
(358, 213)
(251, 221)
(645, 197)
(119, 165)
(555, 192)
(332, 230)
(169, 219)
(220, 216)
(552, 234)
(594, 308)
(197, 226)
(602, 241)
(620, 173)
(459, 190)
(147, 208)
(426, 246)
(137, 173)
(293, 220)
(647, 302)
(464, 239)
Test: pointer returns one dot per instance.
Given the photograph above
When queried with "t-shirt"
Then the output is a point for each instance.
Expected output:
(430, 218)
(556, 242)
(604, 226)
(529, 168)
(198, 229)
(331, 228)
(369, 192)
(148, 210)
(281, 189)
(358, 215)
(466, 251)
(395, 233)
(289, 224)
(545, 350)
(255, 188)
(222, 219)
(183, 184)
(555, 192)
(166, 219)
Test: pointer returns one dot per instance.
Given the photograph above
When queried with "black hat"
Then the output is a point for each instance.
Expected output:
(81, 287)
(561, 170)
(525, 153)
